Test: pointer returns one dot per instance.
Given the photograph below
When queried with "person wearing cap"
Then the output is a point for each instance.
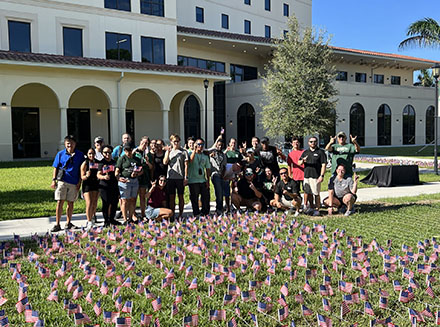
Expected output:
(98, 142)
(251, 161)
(343, 152)
(287, 193)
(66, 180)
(128, 168)
(248, 192)
(269, 156)
(315, 161)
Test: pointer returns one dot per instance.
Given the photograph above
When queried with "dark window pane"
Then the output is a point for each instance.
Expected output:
(152, 7)
(118, 46)
(378, 79)
(118, 4)
(147, 49)
(220, 67)
(158, 51)
(191, 113)
(200, 15)
(250, 73)
(361, 77)
(357, 122)
(192, 62)
(341, 76)
(395, 80)
(19, 36)
(225, 21)
(429, 125)
(409, 125)
(247, 27)
(153, 50)
(243, 73)
(384, 125)
(201, 63)
(267, 5)
(247, 2)
(286, 10)
(72, 41)
(267, 32)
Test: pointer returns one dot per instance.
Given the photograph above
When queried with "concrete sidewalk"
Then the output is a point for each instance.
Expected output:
(29, 226)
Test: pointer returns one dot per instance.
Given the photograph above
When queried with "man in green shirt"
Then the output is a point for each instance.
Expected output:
(343, 153)
(199, 174)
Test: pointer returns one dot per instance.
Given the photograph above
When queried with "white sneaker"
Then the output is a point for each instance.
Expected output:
(296, 213)
(89, 225)
(316, 213)
(348, 213)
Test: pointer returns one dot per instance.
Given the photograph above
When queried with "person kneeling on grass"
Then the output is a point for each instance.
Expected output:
(341, 191)
(157, 199)
(287, 193)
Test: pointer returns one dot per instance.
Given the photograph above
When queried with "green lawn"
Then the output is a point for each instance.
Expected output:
(403, 151)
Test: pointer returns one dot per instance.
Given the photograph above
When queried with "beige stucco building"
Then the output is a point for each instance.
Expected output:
(104, 67)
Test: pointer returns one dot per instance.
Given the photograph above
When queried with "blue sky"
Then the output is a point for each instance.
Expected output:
(375, 25)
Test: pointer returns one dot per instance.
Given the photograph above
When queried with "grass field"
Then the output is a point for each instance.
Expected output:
(403, 151)
(388, 220)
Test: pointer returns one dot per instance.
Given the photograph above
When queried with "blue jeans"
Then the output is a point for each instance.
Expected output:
(220, 187)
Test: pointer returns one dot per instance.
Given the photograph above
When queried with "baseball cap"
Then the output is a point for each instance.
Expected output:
(341, 133)
(98, 139)
(249, 171)
(250, 150)
(127, 146)
(264, 140)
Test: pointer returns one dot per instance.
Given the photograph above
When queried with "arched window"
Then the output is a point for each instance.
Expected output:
(357, 122)
(384, 125)
(409, 125)
(191, 112)
(245, 123)
(429, 125)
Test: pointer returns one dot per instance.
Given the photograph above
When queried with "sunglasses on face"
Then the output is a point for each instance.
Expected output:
(248, 174)
(312, 141)
(341, 136)
(200, 144)
(107, 152)
(161, 180)
(283, 173)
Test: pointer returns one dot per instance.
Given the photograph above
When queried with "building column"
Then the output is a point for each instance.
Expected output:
(63, 127)
(117, 121)
(166, 123)
(6, 151)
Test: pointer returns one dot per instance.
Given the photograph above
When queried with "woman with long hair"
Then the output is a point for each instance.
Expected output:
(90, 185)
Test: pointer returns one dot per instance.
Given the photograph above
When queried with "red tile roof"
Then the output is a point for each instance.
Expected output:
(97, 62)
(226, 35)
(382, 54)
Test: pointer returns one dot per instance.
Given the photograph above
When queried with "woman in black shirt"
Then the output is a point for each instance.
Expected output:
(89, 170)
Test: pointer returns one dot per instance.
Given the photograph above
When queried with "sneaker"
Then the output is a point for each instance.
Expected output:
(296, 214)
(316, 213)
(348, 213)
(55, 228)
(119, 214)
(70, 226)
(308, 211)
(89, 225)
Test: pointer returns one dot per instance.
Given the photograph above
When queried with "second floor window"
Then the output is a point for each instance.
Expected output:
(153, 50)
(267, 32)
(341, 76)
(200, 15)
(118, 46)
(247, 27)
(72, 42)
(247, 2)
(395, 80)
(118, 4)
(152, 7)
(285, 10)
(267, 5)
(241, 73)
(19, 36)
(201, 63)
(361, 77)
(378, 78)
(225, 21)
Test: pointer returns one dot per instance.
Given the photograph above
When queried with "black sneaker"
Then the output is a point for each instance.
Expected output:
(70, 226)
(115, 222)
(55, 228)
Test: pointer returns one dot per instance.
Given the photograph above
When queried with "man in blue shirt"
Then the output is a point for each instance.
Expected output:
(66, 180)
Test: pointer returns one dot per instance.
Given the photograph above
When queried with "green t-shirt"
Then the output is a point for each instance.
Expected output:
(128, 165)
(343, 154)
(197, 166)
(145, 178)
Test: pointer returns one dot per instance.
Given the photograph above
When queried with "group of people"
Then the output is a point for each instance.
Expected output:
(241, 176)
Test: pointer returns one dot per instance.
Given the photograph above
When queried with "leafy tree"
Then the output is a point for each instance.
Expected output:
(299, 85)
(425, 78)
(422, 33)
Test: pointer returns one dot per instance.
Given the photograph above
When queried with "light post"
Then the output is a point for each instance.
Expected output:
(118, 43)
(206, 84)
(436, 74)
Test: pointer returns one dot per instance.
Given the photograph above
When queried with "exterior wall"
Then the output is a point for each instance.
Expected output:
(238, 12)
(47, 19)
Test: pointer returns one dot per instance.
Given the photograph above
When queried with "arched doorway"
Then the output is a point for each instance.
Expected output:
(191, 114)
(409, 125)
(245, 123)
(429, 125)
(357, 123)
(34, 109)
(384, 125)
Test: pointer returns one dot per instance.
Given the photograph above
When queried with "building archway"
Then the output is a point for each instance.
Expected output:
(35, 121)
(408, 125)
(245, 123)
(384, 125)
(191, 117)
(357, 122)
(430, 125)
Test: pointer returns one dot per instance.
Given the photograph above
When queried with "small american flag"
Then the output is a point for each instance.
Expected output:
(323, 321)
(219, 315)
(368, 309)
(128, 307)
(191, 320)
(31, 316)
(283, 313)
(344, 309)
(157, 304)
(145, 320)
(326, 305)
(123, 322)
(81, 318)
(232, 323)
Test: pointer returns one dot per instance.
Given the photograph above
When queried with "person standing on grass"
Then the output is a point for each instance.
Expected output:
(176, 158)
(66, 180)
(218, 164)
(296, 171)
(341, 191)
(146, 159)
(157, 199)
(343, 152)
(90, 186)
(108, 187)
(314, 160)
(160, 168)
(199, 174)
(128, 169)
(287, 193)
(232, 154)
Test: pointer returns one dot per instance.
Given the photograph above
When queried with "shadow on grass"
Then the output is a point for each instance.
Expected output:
(26, 196)
(382, 207)
(26, 164)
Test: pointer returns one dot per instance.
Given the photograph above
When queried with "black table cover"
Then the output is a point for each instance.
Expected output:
(386, 176)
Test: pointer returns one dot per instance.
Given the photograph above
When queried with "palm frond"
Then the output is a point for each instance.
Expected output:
(422, 33)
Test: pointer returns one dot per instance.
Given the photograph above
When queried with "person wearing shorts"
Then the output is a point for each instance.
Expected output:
(287, 193)
(248, 192)
(176, 160)
(157, 198)
(66, 180)
(147, 167)
(341, 191)
(90, 186)
(128, 168)
(315, 161)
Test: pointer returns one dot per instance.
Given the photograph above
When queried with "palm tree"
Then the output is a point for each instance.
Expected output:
(422, 33)
(425, 78)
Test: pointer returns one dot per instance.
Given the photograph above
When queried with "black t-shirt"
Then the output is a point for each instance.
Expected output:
(159, 167)
(245, 191)
(254, 165)
(315, 159)
(291, 186)
(108, 167)
(269, 159)
(268, 189)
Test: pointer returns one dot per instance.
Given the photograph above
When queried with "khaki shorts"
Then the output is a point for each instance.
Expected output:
(287, 203)
(66, 192)
(311, 186)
